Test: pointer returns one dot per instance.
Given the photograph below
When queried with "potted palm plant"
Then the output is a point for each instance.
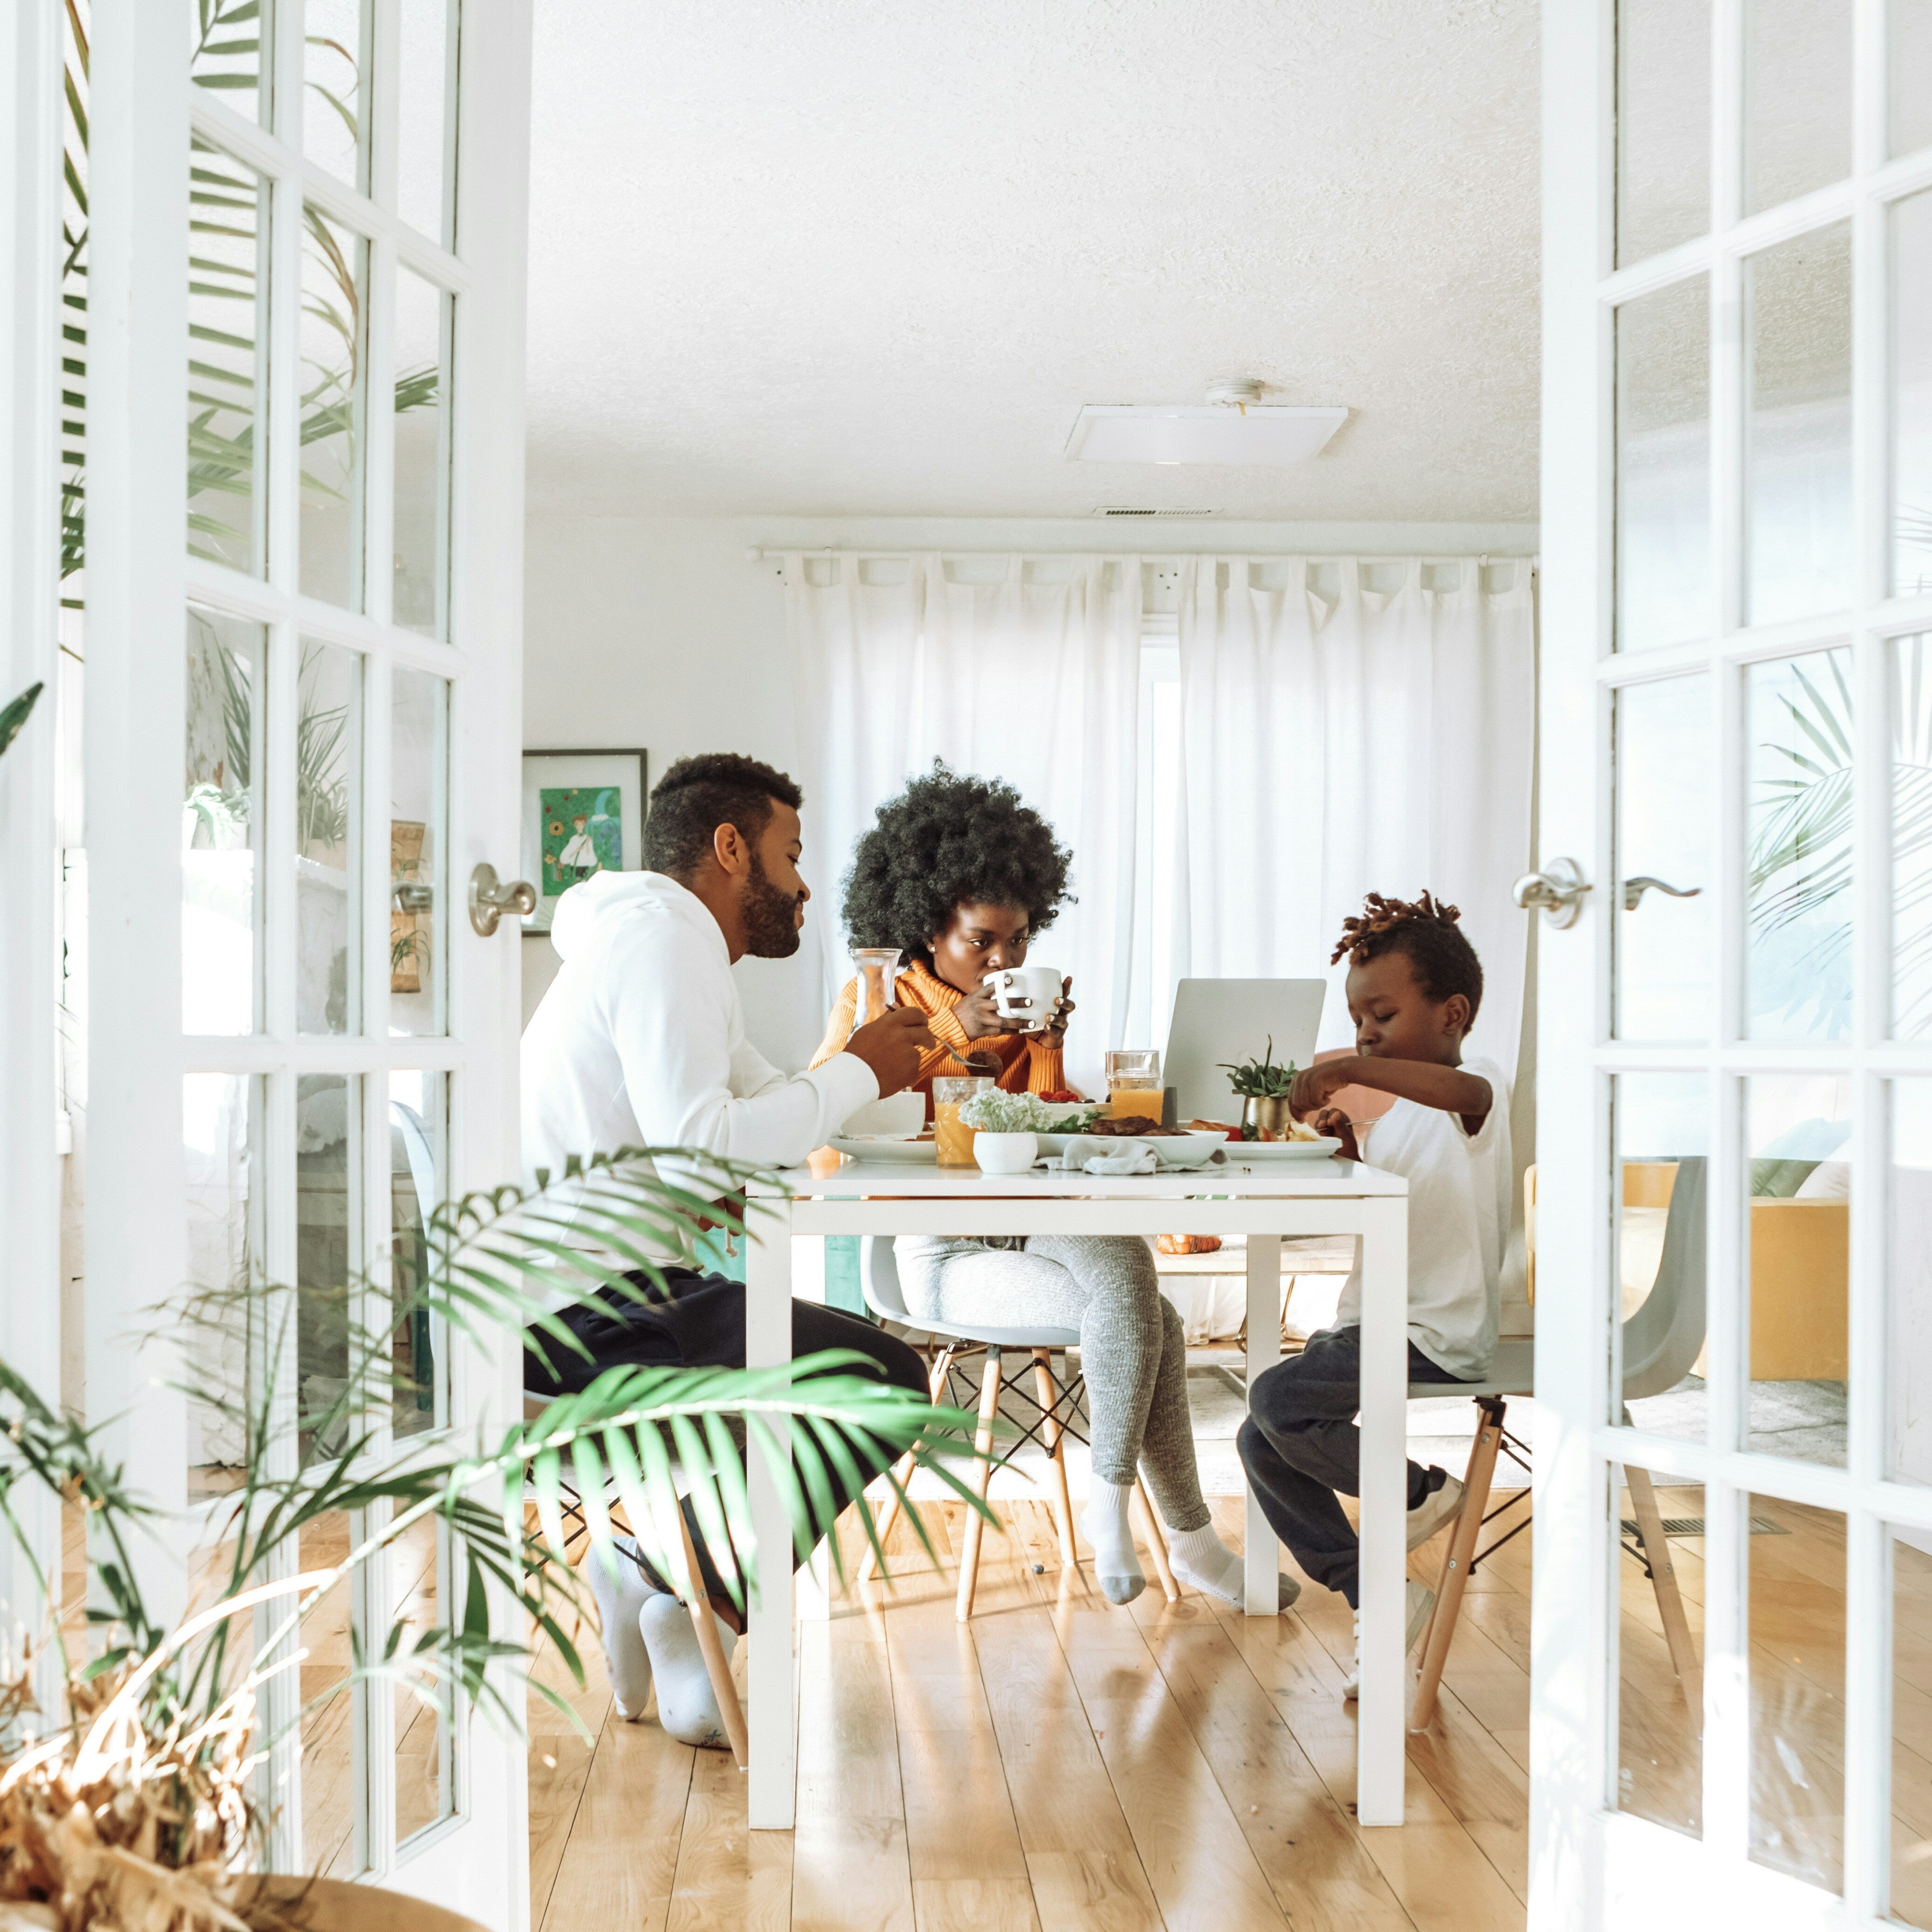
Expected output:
(138, 1801)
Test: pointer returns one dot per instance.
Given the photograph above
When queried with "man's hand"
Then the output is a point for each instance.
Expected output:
(891, 1046)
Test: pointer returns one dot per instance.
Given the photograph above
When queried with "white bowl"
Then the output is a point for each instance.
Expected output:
(896, 1117)
(1005, 1153)
(1194, 1149)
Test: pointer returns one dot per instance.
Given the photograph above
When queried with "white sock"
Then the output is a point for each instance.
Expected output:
(687, 1706)
(1105, 1525)
(621, 1591)
(1199, 1557)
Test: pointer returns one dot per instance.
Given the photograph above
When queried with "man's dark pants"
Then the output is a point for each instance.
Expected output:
(1300, 1446)
(700, 1324)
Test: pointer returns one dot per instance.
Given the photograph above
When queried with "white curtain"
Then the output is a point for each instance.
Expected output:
(1024, 669)
(1351, 725)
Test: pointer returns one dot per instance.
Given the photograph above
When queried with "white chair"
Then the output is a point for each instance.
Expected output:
(1660, 1341)
(1056, 1403)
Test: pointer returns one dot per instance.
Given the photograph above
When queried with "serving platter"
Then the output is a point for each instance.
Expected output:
(1239, 1151)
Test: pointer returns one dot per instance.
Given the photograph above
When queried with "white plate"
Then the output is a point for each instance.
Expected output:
(1194, 1149)
(918, 1153)
(1238, 1151)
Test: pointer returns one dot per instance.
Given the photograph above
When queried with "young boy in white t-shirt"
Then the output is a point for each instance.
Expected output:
(1413, 985)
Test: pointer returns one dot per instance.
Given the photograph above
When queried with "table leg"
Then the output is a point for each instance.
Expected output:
(1379, 1740)
(1262, 1563)
(769, 1670)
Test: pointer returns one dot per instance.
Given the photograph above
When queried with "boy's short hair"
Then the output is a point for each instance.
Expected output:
(697, 795)
(1440, 955)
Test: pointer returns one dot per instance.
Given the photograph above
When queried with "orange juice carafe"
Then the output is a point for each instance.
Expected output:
(952, 1139)
(1134, 1090)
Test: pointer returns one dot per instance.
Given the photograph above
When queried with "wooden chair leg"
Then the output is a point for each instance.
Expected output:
(889, 1511)
(1048, 1390)
(1157, 1543)
(1455, 1576)
(983, 1475)
(1663, 1581)
(717, 1667)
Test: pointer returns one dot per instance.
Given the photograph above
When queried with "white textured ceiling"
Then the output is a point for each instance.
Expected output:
(869, 257)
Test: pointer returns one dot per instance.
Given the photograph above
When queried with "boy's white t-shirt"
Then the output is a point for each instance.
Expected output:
(1459, 1185)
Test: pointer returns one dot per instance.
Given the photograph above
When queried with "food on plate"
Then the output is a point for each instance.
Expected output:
(1130, 1129)
(1061, 1097)
(1234, 1133)
(993, 1112)
(1188, 1244)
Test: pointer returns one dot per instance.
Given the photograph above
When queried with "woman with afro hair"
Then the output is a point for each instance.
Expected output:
(961, 876)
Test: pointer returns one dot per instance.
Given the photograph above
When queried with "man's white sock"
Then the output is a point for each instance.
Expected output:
(687, 1706)
(1105, 1525)
(621, 1592)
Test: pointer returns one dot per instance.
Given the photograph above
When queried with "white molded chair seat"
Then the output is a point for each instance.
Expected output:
(879, 1282)
(1513, 1372)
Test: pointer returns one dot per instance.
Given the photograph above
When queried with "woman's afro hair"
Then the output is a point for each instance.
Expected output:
(946, 842)
(1442, 958)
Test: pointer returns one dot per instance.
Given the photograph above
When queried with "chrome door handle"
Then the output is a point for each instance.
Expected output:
(1558, 889)
(413, 898)
(489, 898)
(1635, 889)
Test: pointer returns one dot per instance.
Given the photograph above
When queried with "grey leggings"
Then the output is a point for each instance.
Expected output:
(1133, 1351)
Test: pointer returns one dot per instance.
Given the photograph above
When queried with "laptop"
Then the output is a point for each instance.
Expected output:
(1232, 1020)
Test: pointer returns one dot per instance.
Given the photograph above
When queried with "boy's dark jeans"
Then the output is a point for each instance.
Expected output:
(1300, 1446)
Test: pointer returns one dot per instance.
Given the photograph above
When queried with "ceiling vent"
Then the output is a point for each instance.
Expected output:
(1129, 510)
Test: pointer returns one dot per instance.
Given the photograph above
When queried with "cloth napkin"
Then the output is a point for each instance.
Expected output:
(1127, 1157)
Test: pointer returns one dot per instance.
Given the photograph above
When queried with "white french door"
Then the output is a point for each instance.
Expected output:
(1735, 1106)
(305, 289)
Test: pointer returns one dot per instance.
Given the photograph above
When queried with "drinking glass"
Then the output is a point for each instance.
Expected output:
(1134, 1090)
(877, 967)
(952, 1139)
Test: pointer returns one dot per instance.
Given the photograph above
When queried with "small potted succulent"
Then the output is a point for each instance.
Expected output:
(1263, 1089)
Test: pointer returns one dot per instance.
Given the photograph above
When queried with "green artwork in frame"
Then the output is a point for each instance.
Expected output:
(583, 834)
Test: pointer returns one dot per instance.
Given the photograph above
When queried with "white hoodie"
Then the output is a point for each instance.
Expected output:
(640, 1041)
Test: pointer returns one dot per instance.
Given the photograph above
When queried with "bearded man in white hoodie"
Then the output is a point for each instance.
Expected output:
(641, 1041)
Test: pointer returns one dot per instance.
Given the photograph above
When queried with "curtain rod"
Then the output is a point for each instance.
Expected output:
(778, 553)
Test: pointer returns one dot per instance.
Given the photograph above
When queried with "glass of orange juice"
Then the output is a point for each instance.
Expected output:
(1134, 1090)
(952, 1139)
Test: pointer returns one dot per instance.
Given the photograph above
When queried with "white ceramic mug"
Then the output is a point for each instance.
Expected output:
(1026, 995)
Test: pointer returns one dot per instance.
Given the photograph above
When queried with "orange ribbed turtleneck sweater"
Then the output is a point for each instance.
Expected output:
(1029, 1063)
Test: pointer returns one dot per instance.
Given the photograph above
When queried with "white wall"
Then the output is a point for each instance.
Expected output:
(662, 633)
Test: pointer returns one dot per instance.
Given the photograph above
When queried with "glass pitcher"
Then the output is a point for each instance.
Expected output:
(877, 968)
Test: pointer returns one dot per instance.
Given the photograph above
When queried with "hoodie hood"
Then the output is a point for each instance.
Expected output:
(587, 912)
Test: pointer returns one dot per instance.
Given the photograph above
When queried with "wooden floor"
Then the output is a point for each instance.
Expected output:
(1058, 1763)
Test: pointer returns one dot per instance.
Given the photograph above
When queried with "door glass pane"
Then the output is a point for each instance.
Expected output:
(418, 1119)
(221, 821)
(1663, 125)
(424, 78)
(1911, 1899)
(1664, 467)
(1798, 98)
(1911, 393)
(331, 1250)
(423, 334)
(227, 371)
(328, 1715)
(334, 277)
(1798, 1171)
(1797, 1601)
(334, 59)
(418, 1568)
(1663, 1141)
(1798, 427)
(1797, 723)
(1911, 694)
(220, 1125)
(1665, 812)
(225, 50)
(1659, 1578)
(418, 775)
(328, 765)
(1909, 60)
(1908, 1292)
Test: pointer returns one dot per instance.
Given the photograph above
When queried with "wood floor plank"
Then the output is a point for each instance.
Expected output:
(620, 1862)
(728, 1876)
(975, 1905)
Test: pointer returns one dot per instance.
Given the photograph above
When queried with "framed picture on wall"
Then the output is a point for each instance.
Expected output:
(583, 813)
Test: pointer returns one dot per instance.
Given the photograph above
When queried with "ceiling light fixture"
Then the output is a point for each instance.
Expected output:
(1233, 426)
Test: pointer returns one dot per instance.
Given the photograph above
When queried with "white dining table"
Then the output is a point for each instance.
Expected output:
(1264, 1200)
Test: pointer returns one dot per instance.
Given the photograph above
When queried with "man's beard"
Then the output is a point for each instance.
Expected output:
(771, 916)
